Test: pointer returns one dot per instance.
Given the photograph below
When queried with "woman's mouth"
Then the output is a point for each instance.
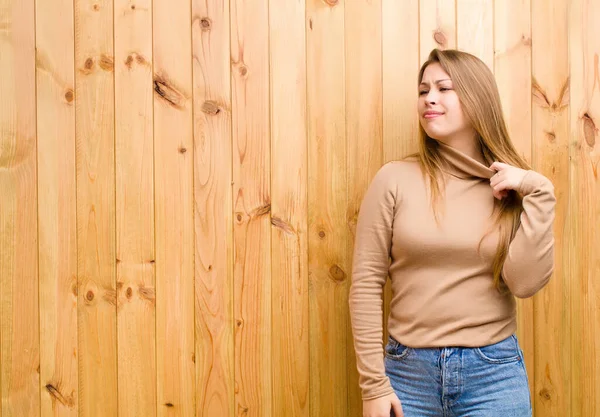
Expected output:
(431, 114)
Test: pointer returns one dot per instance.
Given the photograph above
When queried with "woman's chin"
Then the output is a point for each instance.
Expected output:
(439, 136)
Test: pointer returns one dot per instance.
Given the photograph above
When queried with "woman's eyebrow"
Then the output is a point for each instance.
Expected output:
(437, 81)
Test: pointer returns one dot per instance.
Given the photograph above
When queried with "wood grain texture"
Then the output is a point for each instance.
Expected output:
(252, 207)
(97, 339)
(512, 69)
(19, 302)
(550, 97)
(134, 150)
(364, 114)
(475, 28)
(174, 208)
(400, 71)
(329, 235)
(400, 32)
(213, 210)
(437, 26)
(290, 309)
(57, 209)
(512, 63)
(584, 212)
(191, 202)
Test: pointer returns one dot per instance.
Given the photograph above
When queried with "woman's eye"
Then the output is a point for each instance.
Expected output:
(422, 92)
(444, 89)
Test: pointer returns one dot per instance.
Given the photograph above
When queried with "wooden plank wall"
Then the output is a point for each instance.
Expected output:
(550, 94)
(180, 182)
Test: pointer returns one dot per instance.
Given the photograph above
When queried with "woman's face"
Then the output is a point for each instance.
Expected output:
(440, 112)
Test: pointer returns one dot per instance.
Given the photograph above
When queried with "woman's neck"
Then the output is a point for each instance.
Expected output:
(467, 144)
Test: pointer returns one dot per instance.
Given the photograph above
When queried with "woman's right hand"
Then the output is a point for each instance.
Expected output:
(382, 406)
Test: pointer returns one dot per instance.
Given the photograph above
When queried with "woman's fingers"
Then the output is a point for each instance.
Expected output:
(500, 194)
(495, 179)
(502, 185)
(397, 407)
(498, 166)
(500, 190)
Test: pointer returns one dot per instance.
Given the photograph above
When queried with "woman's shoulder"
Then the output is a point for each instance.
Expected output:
(406, 166)
(398, 174)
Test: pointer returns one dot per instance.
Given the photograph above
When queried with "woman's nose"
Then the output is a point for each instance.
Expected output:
(431, 97)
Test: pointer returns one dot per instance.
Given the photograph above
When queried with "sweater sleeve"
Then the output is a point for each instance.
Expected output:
(369, 273)
(530, 260)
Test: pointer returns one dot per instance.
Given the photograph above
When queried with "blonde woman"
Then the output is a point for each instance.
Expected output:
(461, 228)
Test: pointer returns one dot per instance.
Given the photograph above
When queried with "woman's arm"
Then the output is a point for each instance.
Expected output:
(530, 260)
(369, 272)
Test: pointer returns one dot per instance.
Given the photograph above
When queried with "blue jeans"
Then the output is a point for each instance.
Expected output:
(488, 381)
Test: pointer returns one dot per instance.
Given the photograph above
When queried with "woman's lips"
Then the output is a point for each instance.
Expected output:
(431, 114)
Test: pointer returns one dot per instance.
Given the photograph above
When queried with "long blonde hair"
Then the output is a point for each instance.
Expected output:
(478, 93)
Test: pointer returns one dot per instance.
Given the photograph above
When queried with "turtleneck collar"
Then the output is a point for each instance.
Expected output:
(461, 165)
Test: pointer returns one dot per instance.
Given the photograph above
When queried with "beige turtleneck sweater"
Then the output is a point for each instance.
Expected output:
(442, 287)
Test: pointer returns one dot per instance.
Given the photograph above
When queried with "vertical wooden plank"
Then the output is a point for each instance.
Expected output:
(289, 208)
(475, 29)
(512, 62)
(95, 208)
(584, 212)
(252, 207)
(57, 209)
(437, 26)
(213, 208)
(174, 206)
(400, 70)
(364, 120)
(329, 236)
(550, 96)
(19, 320)
(134, 150)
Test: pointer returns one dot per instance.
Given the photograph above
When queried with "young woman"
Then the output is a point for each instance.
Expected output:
(461, 228)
